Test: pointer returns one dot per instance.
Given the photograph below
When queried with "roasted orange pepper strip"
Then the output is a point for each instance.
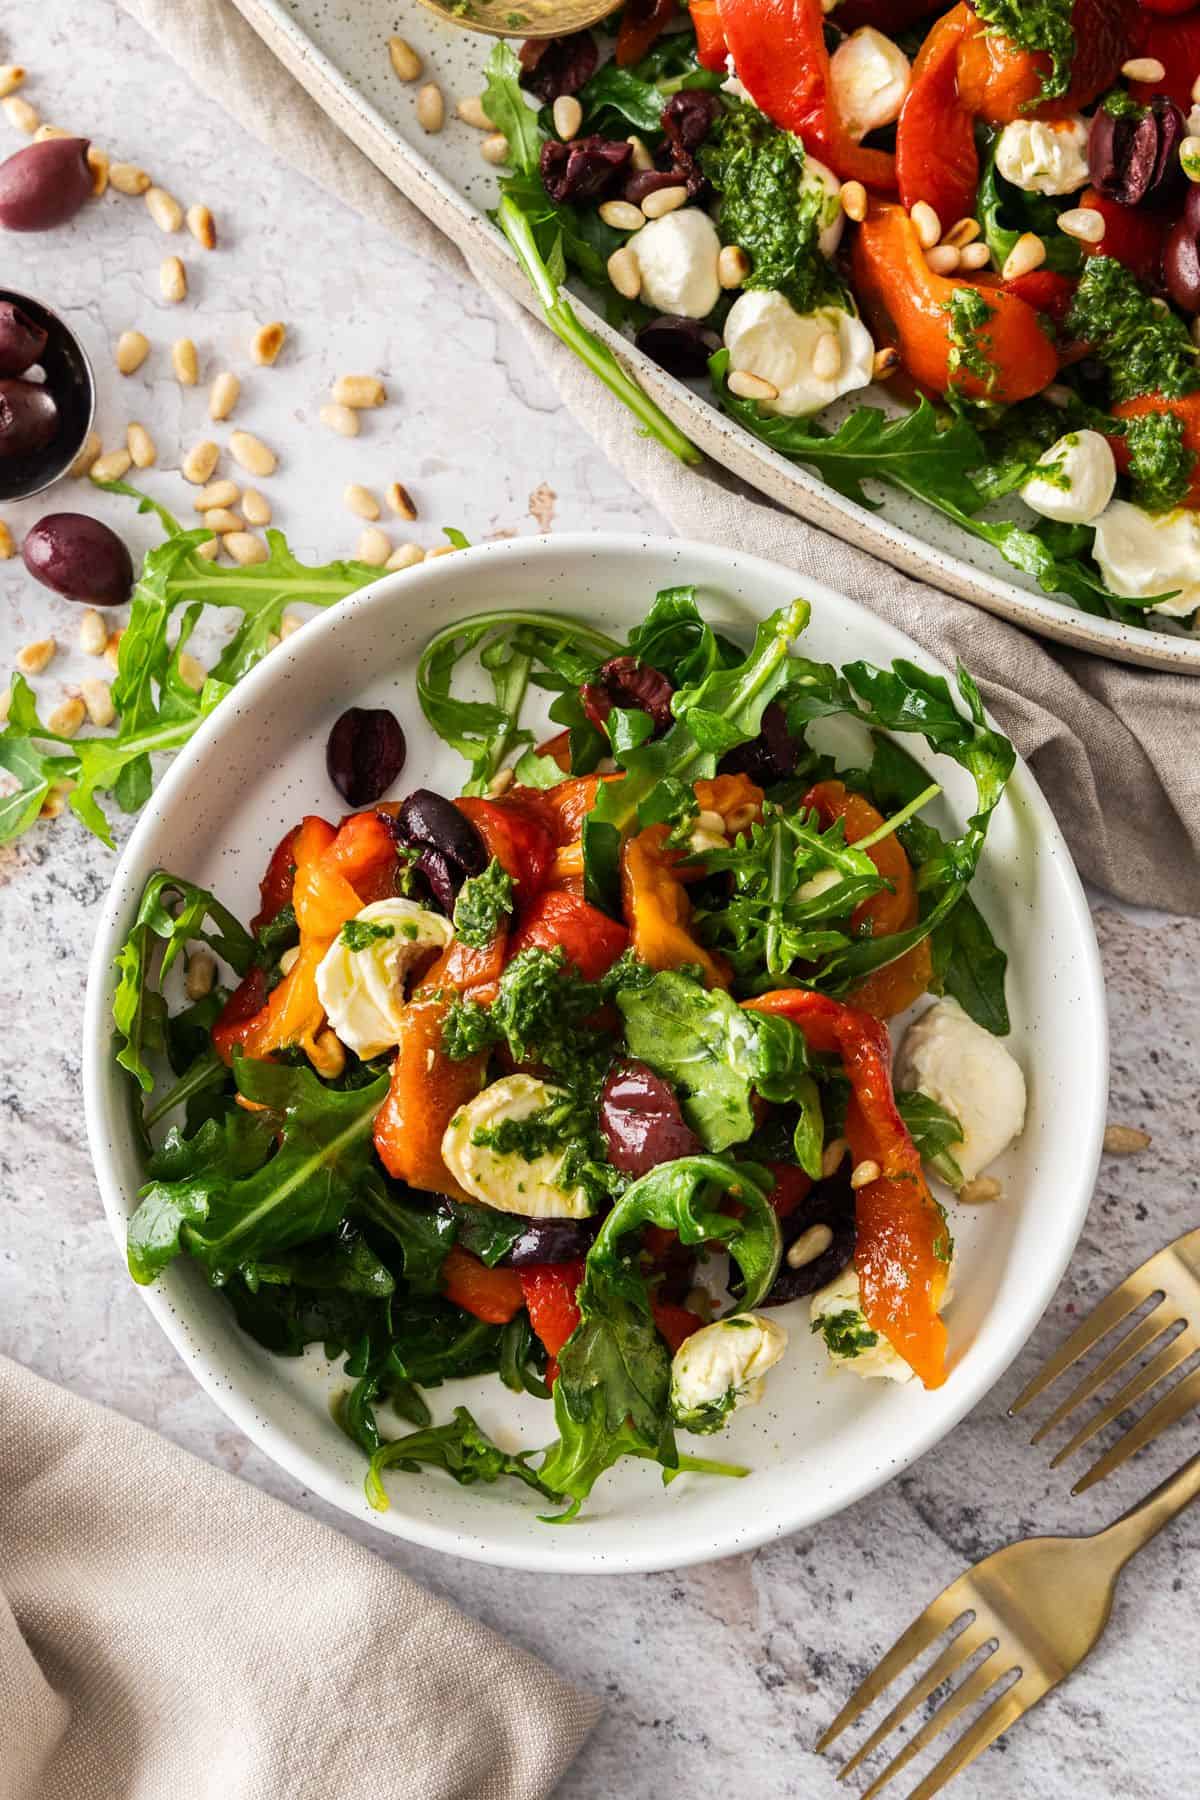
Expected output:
(426, 1091)
(495, 1295)
(657, 909)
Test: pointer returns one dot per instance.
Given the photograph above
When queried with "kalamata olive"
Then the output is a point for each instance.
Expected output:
(365, 753)
(44, 185)
(28, 418)
(586, 169)
(1134, 157)
(554, 66)
(22, 340)
(830, 1203)
(80, 558)
(648, 181)
(641, 1120)
(629, 684)
(680, 346)
(688, 116)
(442, 877)
(552, 1241)
(769, 757)
(427, 818)
(1181, 266)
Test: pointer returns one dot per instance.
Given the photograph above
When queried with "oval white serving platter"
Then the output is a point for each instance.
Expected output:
(339, 54)
(822, 1438)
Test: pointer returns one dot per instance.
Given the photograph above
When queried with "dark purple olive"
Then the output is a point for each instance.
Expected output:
(552, 1241)
(1134, 157)
(554, 66)
(688, 117)
(587, 168)
(80, 558)
(428, 819)
(21, 340)
(629, 684)
(680, 346)
(45, 185)
(365, 753)
(443, 878)
(1181, 266)
(769, 757)
(649, 181)
(641, 1120)
(830, 1203)
(28, 418)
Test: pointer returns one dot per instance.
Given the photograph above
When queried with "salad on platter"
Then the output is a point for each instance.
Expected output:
(583, 1077)
(988, 216)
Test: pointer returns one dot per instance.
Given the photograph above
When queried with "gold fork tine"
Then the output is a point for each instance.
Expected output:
(1124, 1299)
(938, 1616)
(1173, 1405)
(991, 1670)
(1157, 1369)
(958, 1651)
(1131, 1345)
(1004, 1711)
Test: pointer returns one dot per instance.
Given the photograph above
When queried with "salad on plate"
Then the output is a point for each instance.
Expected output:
(583, 1077)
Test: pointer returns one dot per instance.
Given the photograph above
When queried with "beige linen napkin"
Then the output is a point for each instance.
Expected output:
(1113, 747)
(169, 1633)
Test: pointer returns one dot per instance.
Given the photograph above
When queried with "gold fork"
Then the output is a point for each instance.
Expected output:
(1174, 1276)
(1041, 1605)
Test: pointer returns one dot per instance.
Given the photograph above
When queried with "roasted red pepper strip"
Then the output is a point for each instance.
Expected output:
(491, 1294)
(1186, 408)
(936, 159)
(275, 888)
(711, 48)
(521, 840)
(591, 940)
(236, 1020)
(900, 1225)
(642, 24)
(1132, 235)
(675, 1323)
(550, 1290)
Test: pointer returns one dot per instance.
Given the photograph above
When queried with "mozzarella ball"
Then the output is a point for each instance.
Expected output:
(870, 77)
(766, 336)
(677, 256)
(1081, 475)
(831, 220)
(968, 1071)
(506, 1180)
(1143, 553)
(721, 1367)
(1044, 156)
(837, 1315)
(361, 979)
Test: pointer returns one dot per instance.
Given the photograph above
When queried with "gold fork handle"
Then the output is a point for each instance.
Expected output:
(1135, 1528)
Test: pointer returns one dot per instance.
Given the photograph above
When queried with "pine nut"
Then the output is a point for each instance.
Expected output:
(185, 362)
(1084, 223)
(220, 519)
(943, 259)
(267, 342)
(440, 550)
(8, 548)
(31, 659)
(88, 451)
(1143, 68)
(406, 64)
(201, 973)
(733, 266)
(67, 717)
(289, 625)
(1027, 254)
(494, 149)
(833, 1156)
(11, 77)
(251, 454)
(809, 1245)
(200, 462)
(1189, 158)
(132, 351)
(974, 256)
(217, 493)
(112, 466)
(223, 395)
(568, 117)
(172, 280)
(641, 159)
(358, 391)
(342, 419)
(326, 1054)
(406, 557)
(470, 111)
(980, 1191)
(361, 501)
(400, 501)
(663, 201)
(622, 215)
(164, 209)
(1125, 1140)
(192, 671)
(202, 226)
(210, 549)
(854, 201)
(864, 1173)
(751, 387)
(54, 804)
(926, 223)
(244, 547)
(827, 357)
(44, 132)
(624, 273)
(127, 178)
(887, 361)
(374, 547)
(965, 231)
(112, 650)
(98, 163)
(93, 633)
(20, 115)
(431, 108)
(97, 697)
(141, 446)
(256, 507)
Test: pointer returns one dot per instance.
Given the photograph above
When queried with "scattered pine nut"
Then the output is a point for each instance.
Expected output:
(624, 272)
(172, 280)
(93, 633)
(164, 209)
(827, 356)
(568, 117)
(943, 259)
(926, 223)
(965, 231)
(132, 350)
(185, 362)
(641, 160)
(1027, 254)
(864, 1173)
(112, 650)
(733, 266)
(751, 387)
(220, 519)
(1085, 223)
(223, 395)
(622, 215)
(20, 115)
(200, 461)
(31, 659)
(98, 163)
(251, 454)
(67, 717)
(494, 149)
(44, 132)
(112, 466)
(97, 698)
(361, 500)
(54, 804)
(326, 1054)
(217, 493)
(406, 64)
(89, 450)
(887, 361)
(974, 256)
(1143, 68)
(440, 550)
(210, 549)
(833, 1156)
(342, 419)
(256, 507)
(358, 391)
(201, 973)
(8, 548)
(192, 671)
(267, 342)
(11, 77)
(1126, 1140)
(141, 446)
(400, 501)
(431, 108)
(289, 625)
(406, 557)
(980, 1191)
(470, 111)
(244, 547)
(854, 201)
(663, 201)
(127, 178)
(374, 547)
(809, 1245)
(202, 226)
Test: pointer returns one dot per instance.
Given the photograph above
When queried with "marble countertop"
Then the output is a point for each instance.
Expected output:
(714, 1676)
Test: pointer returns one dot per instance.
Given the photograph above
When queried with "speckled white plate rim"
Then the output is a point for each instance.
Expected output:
(639, 1555)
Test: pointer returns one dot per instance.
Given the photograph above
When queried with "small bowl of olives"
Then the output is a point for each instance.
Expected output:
(47, 396)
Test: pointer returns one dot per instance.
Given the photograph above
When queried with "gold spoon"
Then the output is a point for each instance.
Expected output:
(523, 18)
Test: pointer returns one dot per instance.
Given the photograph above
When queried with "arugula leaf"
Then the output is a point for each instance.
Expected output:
(1006, 212)
(674, 639)
(506, 105)
(620, 92)
(460, 1447)
(486, 1233)
(932, 1130)
(424, 1234)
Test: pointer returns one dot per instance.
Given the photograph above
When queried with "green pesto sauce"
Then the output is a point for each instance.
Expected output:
(846, 1334)
(1144, 348)
(360, 934)
(1159, 465)
(1037, 25)
(969, 313)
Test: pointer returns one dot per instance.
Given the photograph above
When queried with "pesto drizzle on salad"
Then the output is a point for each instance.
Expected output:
(969, 313)
(1144, 347)
(1160, 465)
(1037, 25)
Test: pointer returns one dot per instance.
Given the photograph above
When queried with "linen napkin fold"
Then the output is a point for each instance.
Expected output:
(1113, 747)
(167, 1632)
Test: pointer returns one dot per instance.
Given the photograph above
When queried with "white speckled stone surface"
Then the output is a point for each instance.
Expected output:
(722, 1675)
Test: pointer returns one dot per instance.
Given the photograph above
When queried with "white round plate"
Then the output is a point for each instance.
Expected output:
(822, 1438)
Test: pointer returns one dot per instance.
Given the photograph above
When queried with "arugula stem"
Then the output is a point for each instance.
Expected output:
(900, 818)
(205, 1072)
